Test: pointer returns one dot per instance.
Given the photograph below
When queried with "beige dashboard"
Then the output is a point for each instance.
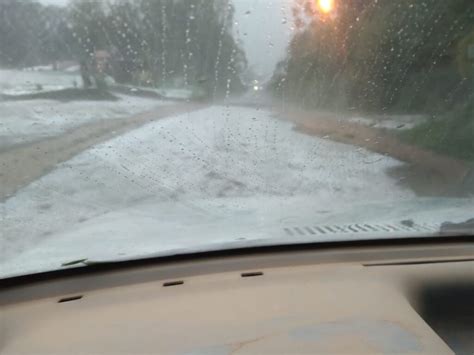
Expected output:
(412, 299)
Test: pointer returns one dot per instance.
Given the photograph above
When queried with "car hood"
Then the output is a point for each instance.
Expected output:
(164, 229)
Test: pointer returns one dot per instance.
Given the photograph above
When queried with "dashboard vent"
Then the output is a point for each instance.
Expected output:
(401, 227)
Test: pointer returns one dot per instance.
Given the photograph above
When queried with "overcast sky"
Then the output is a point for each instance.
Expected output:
(264, 32)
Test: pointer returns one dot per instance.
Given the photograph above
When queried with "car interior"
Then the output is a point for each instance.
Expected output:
(399, 296)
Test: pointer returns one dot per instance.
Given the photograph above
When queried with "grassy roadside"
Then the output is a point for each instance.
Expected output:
(450, 134)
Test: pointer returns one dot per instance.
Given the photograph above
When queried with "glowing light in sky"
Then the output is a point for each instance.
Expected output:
(326, 6)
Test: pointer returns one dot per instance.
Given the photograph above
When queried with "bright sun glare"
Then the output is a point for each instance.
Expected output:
(326, 6)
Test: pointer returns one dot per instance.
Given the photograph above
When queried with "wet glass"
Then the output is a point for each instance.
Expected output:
(141, 128)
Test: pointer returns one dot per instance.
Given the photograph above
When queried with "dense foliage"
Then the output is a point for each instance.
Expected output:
(31, 34)
(147, 42)
(380, 55)
(388, 56)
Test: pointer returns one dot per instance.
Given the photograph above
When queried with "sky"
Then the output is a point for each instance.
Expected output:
(263, 26)
(265, 31)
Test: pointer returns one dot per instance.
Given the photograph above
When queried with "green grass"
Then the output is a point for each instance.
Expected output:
(451, 134)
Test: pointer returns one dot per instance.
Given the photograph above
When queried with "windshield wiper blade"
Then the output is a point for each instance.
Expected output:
(75, 262)
(84, 262)
(462, 228)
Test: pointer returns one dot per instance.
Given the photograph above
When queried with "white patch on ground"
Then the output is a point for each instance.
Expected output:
(168, 93)
(22, 82)
(225, 160)
(176, 93)
(26, 121)
(393, 122)
(29, 120)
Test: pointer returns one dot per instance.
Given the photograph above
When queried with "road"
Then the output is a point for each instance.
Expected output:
(178, 155)
(164, 172)
(425, 172)
(22, 164)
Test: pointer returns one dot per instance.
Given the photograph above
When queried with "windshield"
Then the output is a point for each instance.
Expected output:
(133, 128)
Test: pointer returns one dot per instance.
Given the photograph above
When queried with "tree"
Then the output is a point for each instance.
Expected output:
(161, 42)
(183, 43)
(30, 33)
(378, 55)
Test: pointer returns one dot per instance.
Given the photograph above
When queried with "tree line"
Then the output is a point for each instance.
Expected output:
(380, 55)
(388, 57)
(147, 42)
(31, 34)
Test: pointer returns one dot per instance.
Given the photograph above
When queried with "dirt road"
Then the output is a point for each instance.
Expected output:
(22, 164)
